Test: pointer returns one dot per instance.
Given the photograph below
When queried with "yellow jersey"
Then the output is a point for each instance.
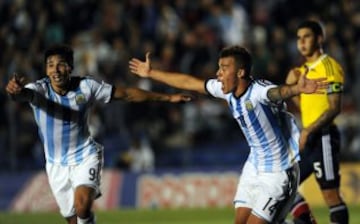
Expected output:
(312, 106)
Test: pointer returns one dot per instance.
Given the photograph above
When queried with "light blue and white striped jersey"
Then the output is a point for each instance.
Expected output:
(271, 132)
(62, 120)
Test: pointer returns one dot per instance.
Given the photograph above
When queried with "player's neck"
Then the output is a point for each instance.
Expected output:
(61, 90)
(313, 57)
(241, 88)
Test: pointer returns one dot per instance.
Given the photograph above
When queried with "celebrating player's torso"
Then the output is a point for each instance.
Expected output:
(62, 119)
(265, 125)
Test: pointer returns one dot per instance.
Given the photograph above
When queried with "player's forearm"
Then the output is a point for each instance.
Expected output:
(324, 120)
(138, 95)
(178, 80)
(26, 95)
(283, 92)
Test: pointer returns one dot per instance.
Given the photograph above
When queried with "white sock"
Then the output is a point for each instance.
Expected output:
(88, 220)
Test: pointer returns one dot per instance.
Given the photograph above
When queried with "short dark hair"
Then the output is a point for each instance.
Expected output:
(314, 26)
(241, 55)
(63, 50)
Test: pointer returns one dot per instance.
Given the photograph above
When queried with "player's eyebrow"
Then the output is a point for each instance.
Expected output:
(61, 60)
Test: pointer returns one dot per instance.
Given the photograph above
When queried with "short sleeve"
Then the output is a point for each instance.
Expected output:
(213, 87)
(337, 75)
(37, 86)
(262, 89)
(100, 89)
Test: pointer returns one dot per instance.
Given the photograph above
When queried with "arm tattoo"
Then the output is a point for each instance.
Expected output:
(280, 93)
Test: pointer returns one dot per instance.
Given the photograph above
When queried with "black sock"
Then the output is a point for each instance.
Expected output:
(301, 212)
(339, 214)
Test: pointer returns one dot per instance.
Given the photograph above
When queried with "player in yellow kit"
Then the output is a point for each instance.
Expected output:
(319, 138)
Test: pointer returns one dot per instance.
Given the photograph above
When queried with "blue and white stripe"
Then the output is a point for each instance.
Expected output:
(62, 120)
(271, 132)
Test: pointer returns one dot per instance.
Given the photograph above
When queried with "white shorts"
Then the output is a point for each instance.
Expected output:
(269, 195)
(63, 180)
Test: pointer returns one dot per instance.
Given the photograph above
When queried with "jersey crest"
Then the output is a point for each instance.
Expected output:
(249, 106)
(80, 99)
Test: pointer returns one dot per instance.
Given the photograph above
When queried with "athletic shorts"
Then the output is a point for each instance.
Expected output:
(269, 195)
(63, 180)
(321, 157)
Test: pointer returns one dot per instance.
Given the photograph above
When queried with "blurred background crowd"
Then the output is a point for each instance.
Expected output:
(183, 36)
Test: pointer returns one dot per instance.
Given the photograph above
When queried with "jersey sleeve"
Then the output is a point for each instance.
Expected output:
(101, 90)
(213, 87)
(262, 87)
(36, 86)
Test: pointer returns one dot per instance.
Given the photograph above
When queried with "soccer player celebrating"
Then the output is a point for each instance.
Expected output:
(269, 178)
(320, 138)
(61, 104)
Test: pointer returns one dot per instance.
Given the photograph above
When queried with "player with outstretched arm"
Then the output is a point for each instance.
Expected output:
(269, 178)
(61, 104)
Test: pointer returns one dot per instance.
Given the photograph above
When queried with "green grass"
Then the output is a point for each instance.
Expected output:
(176, 216)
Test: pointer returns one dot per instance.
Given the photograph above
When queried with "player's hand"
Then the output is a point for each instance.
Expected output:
(141, 68)
(180, 98)
(306, 85)
(15, 84)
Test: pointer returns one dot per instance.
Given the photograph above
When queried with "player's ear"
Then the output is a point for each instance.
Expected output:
(68, 68)
(320, 40)
(240, 73)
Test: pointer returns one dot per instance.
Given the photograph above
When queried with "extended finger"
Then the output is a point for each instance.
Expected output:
(148, 56)
(19, 79)
(186, 98)
(135, 61)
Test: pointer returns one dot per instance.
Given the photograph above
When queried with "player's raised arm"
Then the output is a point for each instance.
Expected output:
(139, 95)
(304, 85)
(177, 80)
(15, 88)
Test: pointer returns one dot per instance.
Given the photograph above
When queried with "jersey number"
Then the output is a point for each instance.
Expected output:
(271, 206)
(94, 174)
(317, 169)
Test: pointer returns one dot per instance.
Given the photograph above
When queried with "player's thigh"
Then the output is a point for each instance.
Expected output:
(326, 162)
(245, 195)
(88, 173)
(242, 215)
(60, 184)
(274, 193)
(306, 163)
(290, 193)
(249, 191)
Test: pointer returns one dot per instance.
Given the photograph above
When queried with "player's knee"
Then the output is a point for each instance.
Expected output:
(82, 211)
(83, 207)
(332, 197)
(83, 201)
